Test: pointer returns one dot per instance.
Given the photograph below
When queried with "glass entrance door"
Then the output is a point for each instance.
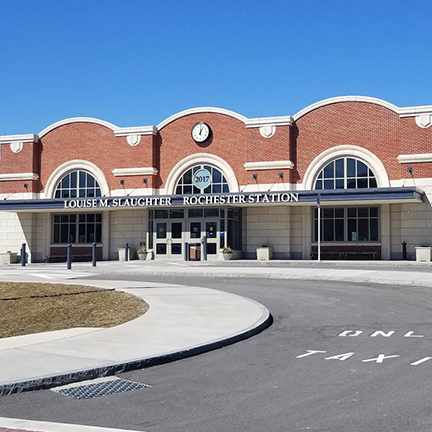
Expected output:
(205, 227)
(169, 239)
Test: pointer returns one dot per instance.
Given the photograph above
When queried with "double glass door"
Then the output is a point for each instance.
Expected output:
(169, 238)
(208, 228)
(171, 229)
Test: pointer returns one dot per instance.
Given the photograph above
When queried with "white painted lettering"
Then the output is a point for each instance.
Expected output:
(294, 197)
(185, 200)
(242, 199)
(381, 333)
(116, 202)
(265, 199)
(380, 358)
(251, 198)
(425, 359)
(168, 201)
(411, 334)
(340, 357)
(347, 333)
(310, 352)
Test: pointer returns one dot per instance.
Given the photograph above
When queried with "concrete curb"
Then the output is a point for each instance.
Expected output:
(57, 380)
(286, 276)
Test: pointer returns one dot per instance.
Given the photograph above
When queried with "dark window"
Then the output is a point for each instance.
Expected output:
(347, 224)
(77, 184)
(346, 173)
(77, 228)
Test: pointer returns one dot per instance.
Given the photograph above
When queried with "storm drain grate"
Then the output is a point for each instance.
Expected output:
(99, 387)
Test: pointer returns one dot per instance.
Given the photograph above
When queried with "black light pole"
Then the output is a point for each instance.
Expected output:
(23, 255)
(94, 254)
(69, 257)
(319, 226)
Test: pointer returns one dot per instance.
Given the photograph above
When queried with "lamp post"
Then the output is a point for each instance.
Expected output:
(319, 226)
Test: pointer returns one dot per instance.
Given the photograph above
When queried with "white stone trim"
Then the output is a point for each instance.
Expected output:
(345, 151)
(339, 99)
(16, 146)
(118, 131)
(29, 138)
(402, 112)
(137, 130)
(414, 111)
(134, 171)
(249, 166)
(73, 165)
(76, 120)
(412, 158)
(201, 158)
(424, 120)
(269, 121)
(19, 176)
(201, 111)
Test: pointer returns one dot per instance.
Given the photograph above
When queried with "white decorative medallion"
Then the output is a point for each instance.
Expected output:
(267, 131)
(424, 120)
(16, 146)
(133, 140)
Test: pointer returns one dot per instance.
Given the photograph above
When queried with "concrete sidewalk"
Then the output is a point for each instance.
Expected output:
(181, 321)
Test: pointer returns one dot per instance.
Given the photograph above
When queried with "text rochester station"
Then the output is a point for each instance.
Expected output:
(184, 200)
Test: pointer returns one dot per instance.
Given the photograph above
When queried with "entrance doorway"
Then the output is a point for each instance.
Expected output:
(168, 239)
(170, 230)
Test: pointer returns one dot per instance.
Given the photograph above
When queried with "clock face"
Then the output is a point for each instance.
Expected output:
(201, 132)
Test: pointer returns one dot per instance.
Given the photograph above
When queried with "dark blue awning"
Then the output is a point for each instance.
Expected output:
(292, 198)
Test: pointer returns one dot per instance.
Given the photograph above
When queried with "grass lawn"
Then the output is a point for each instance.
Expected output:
(27, 308)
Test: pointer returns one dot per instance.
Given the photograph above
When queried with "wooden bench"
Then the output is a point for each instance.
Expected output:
(343, 255)
(63, 258)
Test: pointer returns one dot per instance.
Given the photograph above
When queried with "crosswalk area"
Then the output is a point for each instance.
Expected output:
(18, 274)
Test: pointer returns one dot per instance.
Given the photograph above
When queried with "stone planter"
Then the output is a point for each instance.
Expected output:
(264, 253)
(8, 258)
(142, 256)
(423, 253)
(227, 256)
(122, 254)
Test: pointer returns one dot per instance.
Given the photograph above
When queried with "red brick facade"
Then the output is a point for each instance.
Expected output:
(372, 126)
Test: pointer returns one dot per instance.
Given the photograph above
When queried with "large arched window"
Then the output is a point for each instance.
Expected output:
(346, 173)
(77, 227)
(77, 184)
(202, 179)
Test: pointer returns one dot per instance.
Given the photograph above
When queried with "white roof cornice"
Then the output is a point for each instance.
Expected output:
(118, 131)
(402, 112)
(18, 138)
(201, 110)
(269, 121)
(339, 99)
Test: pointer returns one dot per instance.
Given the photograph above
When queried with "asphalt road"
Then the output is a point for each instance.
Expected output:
(338, 357)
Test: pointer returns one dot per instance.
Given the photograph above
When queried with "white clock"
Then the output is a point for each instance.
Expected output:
(201, 132)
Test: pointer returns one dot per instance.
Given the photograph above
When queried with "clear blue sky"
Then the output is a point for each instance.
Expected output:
(137, 62)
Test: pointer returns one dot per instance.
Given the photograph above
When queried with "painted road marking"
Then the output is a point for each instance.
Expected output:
(379, 358)
(41, 275)
(354, 333)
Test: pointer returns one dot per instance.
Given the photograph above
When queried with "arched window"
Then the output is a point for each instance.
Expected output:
(77, 184)
(202, 179)
(346, 173)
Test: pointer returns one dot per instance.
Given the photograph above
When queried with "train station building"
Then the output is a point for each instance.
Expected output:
(213, 174)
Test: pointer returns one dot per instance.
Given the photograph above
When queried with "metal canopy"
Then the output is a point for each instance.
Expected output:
(292, 198)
